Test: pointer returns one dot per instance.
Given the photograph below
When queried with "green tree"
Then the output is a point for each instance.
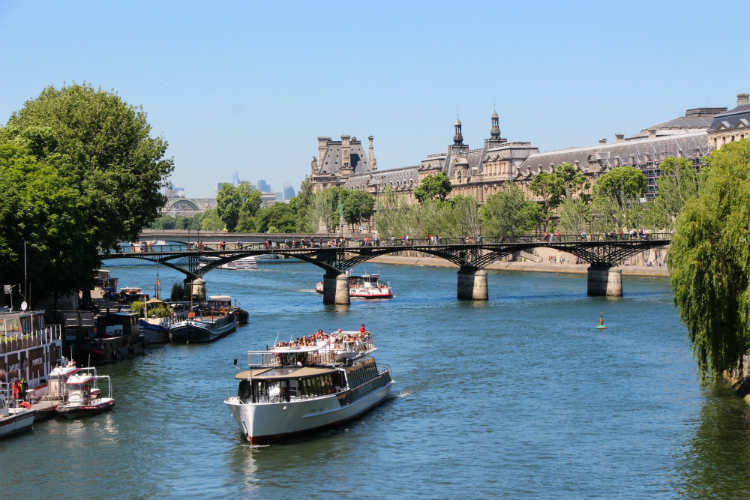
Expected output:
(508, 213)
(570, 181)
(621, 184)
(41, 206)
(437, 186)
(678, 183)
(276, 218)
(359, 206)
(210, 221)
(546, 186)
(237, 206)
(574, 215)
(301, 205)
(709, 263)
(104, 147)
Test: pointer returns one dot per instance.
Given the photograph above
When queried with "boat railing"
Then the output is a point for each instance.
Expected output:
(19, 342)
(322, 356)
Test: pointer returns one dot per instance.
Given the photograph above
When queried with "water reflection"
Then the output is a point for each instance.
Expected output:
(717, 460)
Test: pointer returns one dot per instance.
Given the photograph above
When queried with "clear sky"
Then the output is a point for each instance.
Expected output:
(249, 86)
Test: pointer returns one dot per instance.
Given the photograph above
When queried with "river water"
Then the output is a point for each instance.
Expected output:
(517, 397)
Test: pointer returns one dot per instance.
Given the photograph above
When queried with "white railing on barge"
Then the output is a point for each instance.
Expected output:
(20, 342)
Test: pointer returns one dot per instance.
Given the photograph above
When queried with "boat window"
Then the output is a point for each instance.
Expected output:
(244, 392)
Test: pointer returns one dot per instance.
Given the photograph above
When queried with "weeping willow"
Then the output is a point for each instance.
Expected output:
(709, 263)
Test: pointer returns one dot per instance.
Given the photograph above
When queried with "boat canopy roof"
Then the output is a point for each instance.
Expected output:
(283, 373)
(80, 379)
(219, 297)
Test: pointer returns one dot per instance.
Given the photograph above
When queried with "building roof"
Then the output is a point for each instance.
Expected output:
(621, 153)
(737, 117)
(331, 161)
(693, 121)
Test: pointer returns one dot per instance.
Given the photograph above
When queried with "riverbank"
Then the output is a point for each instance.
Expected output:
(520, 266)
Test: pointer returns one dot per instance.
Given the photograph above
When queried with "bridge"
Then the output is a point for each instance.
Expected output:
(602, 252)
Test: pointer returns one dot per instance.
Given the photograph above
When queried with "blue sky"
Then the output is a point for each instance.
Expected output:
(249, 86)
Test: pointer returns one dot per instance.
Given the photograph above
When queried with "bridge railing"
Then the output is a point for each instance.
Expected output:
(276, 244)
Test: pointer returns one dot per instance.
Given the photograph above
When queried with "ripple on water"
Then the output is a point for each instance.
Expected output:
(519, 396)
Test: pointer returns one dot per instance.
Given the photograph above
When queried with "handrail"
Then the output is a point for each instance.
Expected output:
(283, 248)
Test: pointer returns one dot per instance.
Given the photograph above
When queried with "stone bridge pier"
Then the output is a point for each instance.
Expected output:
(335, 288)
(604, 281)
(472, 284)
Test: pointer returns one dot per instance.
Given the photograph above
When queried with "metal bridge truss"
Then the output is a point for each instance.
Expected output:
(337, 260)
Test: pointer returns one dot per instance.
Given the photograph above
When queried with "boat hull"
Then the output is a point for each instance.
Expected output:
(77, 411)
(199, 332)
(366, 295)
(154, 334)
(109, 350)
(274, 422)
(16, 423)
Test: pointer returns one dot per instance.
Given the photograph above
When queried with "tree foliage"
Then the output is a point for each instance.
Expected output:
(621, 184)
(358, 207)
(104, 147)
(41, 206)
(276, 218)
(432, 187)
(678, 183)
(237, 205)
(301, 205)
(547, 186)
(709, 263)
(508, 213)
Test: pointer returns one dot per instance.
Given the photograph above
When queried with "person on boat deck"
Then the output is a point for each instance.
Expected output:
(361, 330)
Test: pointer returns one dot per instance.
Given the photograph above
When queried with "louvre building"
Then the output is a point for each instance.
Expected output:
(482, 171)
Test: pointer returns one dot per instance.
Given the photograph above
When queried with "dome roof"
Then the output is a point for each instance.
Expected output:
(458, 122)
(494, 114)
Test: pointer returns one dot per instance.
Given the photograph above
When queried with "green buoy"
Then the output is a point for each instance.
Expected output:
(601, 325)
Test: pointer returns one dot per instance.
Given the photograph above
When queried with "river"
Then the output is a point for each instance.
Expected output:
(517, 397)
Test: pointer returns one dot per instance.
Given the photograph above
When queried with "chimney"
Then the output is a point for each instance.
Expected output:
(620, 137)
(322, 147)
(373, 162)
(652, 133)
(603, 141)
(742, 99)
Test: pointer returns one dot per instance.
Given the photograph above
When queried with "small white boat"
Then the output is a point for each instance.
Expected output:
(300, 389)
(13, 419)
(242, 264)
(84, 395)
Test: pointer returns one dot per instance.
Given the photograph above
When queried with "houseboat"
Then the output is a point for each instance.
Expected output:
(224, 303)
(308, 386)
(29, 349)
(203, 326)
(115, 337)
(155, 329)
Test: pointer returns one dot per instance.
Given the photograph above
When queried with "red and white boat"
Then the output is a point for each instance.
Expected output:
(84, 395)
(14, 419)
(368, 286)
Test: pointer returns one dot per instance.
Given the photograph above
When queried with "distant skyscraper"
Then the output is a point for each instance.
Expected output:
(263, 186)
(288, 191)
(279, 196)
(236, 178)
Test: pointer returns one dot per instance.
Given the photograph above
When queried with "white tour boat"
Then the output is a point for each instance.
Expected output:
(292, 390)
(84, 396)
(13, 419)
(242, 264)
